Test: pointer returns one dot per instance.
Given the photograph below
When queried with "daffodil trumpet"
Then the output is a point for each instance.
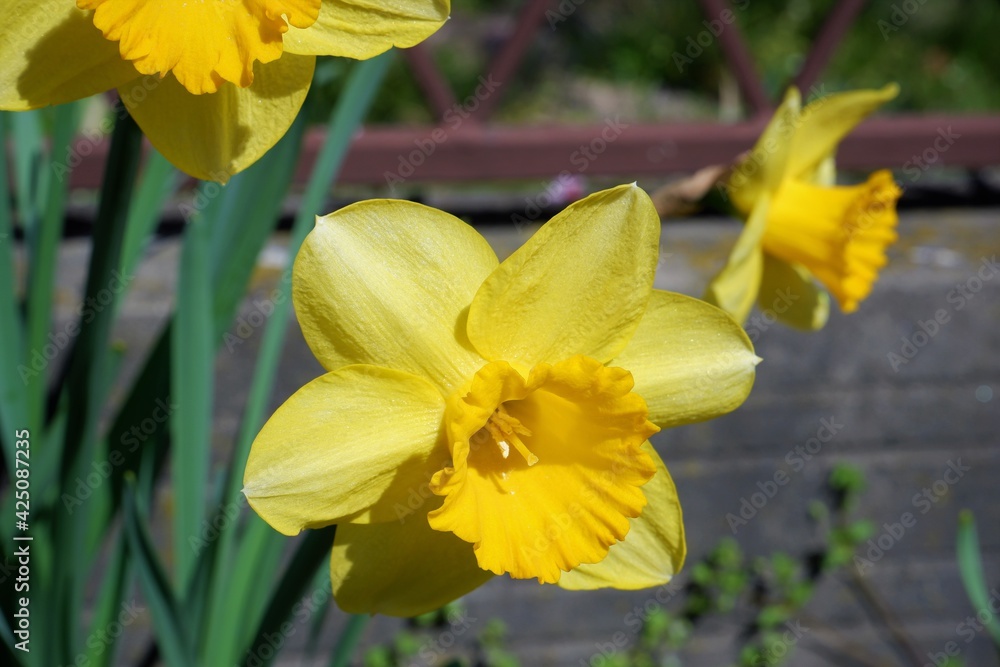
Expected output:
(213, 84)
(480, 418)
(800, 226)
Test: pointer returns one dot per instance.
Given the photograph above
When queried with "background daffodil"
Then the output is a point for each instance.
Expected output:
(482, 418)
(212, 84)
(800, 225)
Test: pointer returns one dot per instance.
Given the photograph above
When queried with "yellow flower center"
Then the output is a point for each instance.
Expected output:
(546, 471)
(505, 430)
(203, 42)
(838, 233)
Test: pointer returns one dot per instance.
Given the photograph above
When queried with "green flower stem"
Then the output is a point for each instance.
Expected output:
(87, 383)
(970, 566)
(349, 639)
(364, 81)
(12, 397)
(45, 247)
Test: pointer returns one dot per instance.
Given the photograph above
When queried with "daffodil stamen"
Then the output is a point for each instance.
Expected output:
(505, 429)
(588, 426)
(564, 351)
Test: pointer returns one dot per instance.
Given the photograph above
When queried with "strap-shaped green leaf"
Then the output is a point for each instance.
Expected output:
(260, 546)
(12, 397)
(88, 379)
(192, 380)
(171, 634)
(970, 565)
(313, 550)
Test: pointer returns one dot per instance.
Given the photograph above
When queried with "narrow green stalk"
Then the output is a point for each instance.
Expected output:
(29, 174)
(251, 208)
(313, 550)
(171, 631)
(87, 382)
(42, 275)
(349, 639)
(362, 85)
(970, 566)
(13, 405)
(158, 181)
(192, 377)
(110, 602)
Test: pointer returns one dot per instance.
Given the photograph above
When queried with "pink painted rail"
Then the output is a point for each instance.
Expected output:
(465, 145)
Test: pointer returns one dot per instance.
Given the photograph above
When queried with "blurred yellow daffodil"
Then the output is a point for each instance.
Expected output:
(212, 83)
(482, 418)
(799, 224)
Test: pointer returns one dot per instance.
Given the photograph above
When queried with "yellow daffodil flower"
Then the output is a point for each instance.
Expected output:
(212, 83)
(482, 418)
(800, 225)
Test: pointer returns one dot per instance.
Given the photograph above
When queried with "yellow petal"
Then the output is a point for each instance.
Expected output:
(839, 234)
(52, 54)
(546, 471)
(578, 286)
(789, 294)
(654, 549)
(363, 29)
(691, 361)
(202, 43)
(360, 443)
(735, 287)
(762, 169)
(213, 137)
(826, 121)
(824, 174)
(401, 569)
(389, 283)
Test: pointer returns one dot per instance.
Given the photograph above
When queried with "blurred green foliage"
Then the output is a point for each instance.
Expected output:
(941, 53)
(765, 597)
(448, 637)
